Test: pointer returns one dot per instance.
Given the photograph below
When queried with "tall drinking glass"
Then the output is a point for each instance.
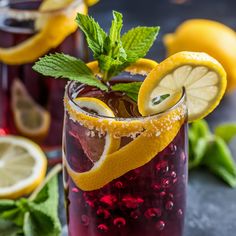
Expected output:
(31, 106)
(138, 188)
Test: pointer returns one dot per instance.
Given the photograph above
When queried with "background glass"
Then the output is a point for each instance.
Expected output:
(24, 92)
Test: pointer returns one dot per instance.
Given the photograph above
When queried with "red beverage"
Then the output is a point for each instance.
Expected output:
(148, 200)
(31, 106)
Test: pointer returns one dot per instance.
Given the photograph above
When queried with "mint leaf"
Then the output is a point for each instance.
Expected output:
(59, 65)
(131, 89)
(199, 135)
(95, 35)
(42, 219)
(36, 215)
(226, 131)
(219, 160)
(138, 41)
(7, 228)
(115, 45)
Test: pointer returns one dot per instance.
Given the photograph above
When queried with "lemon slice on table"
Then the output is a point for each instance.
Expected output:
(22, 166)
(51, 34)
(31, 120)
(203, 78)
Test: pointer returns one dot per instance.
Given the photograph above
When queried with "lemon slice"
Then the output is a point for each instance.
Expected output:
(203, 78)
(222, 48)
(31, 120)
(22, 166)
(53, 33)
(100, 108)
(135, 154)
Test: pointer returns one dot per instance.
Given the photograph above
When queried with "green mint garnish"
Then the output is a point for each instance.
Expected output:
(131, 89)
(59, 65)
(113, 51)
(211, 150)
(33, 216)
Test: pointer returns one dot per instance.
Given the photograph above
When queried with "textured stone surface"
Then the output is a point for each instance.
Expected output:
(211, 204)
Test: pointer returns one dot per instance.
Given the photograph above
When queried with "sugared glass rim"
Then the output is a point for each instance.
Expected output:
(78, 109)
(4, 8)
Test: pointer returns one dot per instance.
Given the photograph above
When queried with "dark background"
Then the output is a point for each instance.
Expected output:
(211, 207)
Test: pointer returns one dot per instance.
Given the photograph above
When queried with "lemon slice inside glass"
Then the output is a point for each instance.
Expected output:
(203, 78)
(22, 166)
(51, 34)
(100, 108)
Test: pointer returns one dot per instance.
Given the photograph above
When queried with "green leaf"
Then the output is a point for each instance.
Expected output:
(59, 65)
(138, 41)
(7, 228)
(199, 136)
(219, 160)
(197, 152)
(95, 35)
(226, 131)
(131, 89)
(13, 210)
(44, 208)
(116, 27)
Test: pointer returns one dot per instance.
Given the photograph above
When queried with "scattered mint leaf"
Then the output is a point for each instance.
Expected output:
(138, 41)
(95, 35)
(8, 228)
(219, 160)
(36, 215)
(42, 219)
(131, 89)
(226, 131)
(211, 151)
(59, 65)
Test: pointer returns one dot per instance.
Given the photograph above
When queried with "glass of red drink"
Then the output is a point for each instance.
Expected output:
(31, 106)
(141, 189)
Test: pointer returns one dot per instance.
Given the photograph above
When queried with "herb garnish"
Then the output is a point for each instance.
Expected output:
(114, 52)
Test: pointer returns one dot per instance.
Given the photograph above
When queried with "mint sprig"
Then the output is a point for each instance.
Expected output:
(59, 65)
(211, 151)
(113, 51)
(33, 216)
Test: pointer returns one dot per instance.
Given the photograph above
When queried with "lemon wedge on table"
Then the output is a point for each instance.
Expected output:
(203, 78)
(22, 166)
(212, 37)
(52, 33)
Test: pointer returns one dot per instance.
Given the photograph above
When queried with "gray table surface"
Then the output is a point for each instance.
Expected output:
(211, 206)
